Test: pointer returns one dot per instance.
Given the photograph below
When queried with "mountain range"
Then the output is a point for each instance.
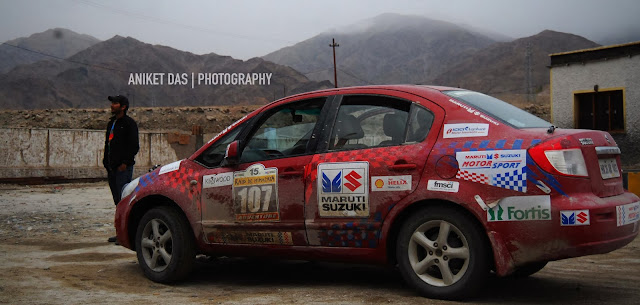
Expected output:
(387, 49)
(84, 79)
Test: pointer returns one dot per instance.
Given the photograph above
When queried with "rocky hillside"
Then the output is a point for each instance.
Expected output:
(501, 67)
(108, 68)
(60, 43)
(388, 49)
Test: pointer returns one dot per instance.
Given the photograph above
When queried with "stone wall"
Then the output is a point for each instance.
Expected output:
(77, 153)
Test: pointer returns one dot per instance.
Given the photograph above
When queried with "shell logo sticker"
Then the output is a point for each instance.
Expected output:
(391, 183)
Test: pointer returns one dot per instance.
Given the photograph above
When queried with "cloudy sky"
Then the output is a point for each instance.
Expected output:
(248, 28)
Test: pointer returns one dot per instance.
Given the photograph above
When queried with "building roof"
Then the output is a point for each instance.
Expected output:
(595, 54)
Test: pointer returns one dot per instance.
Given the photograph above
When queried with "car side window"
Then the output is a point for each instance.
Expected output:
(213, 156)
(370, 121)
(283, 132)
(420, 123)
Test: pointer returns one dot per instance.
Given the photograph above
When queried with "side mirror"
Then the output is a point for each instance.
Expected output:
(231, 155)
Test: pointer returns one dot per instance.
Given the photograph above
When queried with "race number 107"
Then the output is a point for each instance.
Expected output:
(255, 198)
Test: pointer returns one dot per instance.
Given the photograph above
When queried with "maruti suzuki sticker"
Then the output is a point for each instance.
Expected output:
(521, 208)
(343, 189)
(465, 130)
(501, 168)
(574, 218)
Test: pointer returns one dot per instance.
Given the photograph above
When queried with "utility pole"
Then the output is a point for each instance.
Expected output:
(528, 73)
(335, 73)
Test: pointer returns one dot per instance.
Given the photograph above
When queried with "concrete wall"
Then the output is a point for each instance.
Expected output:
(77, 154)
(621, 72)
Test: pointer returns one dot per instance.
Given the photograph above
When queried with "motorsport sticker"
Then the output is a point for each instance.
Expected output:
(255, 194)
(343, 189)
(251, 237)
(521, 208)
(628, 213)
(170, 167)
(574, 218)
(391, 183)
(216, 180)
(465, 130)
(443, 186)
(501, 168)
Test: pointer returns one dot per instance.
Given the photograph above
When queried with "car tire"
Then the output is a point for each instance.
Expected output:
(528, 269)
(165, 245)
(443, 253)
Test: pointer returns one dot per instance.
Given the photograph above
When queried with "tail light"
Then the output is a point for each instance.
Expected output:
(560, 156)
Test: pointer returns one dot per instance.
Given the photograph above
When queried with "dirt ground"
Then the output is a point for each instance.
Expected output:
(54, 251)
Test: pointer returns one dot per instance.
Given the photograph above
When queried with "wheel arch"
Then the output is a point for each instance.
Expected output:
(147, 203)
(394, 230)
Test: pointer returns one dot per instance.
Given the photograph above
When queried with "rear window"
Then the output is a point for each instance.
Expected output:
(503, 111)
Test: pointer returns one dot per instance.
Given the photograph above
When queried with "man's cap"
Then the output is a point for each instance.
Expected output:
(120, 99)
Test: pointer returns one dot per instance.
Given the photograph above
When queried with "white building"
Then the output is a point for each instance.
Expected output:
(600, 89)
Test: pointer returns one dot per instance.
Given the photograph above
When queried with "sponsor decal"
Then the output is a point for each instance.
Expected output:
(255, 194)
(217, 180)
(473, 111)
(244, 237)
(521, 208)
(628, 213)
(574, 218)
(391, 183)
(343, 189)
(501, 168)
(586, 141)
(465, 130)
(443, 186)
(170, 167)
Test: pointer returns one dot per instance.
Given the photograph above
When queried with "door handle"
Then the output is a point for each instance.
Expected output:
(292, 173)
(403, 167)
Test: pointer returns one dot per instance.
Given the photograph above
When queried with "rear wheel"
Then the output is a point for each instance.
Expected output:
(442, 253)
(165, 246)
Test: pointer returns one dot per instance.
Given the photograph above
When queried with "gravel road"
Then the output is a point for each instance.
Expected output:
(54, 251)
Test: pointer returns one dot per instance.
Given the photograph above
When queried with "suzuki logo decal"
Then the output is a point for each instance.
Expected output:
(352, 177)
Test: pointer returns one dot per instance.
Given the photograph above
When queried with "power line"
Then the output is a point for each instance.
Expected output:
(354, 76)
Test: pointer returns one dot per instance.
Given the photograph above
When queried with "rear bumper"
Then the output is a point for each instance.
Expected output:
(605, 229)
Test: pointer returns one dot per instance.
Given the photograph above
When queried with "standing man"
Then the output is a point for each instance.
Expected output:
(120, 147)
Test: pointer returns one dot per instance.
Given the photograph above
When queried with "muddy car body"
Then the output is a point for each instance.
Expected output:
(448, 184)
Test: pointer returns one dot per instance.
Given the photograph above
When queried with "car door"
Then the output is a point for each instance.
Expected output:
(374, 156)
(260, 200)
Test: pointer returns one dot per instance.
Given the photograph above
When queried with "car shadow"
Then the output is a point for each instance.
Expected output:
(251, 272)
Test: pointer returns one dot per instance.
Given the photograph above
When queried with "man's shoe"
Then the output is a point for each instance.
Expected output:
(112, 239)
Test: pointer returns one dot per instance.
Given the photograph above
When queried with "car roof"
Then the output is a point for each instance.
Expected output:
(415, 89)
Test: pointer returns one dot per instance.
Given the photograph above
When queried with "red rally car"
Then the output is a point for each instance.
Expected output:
(447, 184)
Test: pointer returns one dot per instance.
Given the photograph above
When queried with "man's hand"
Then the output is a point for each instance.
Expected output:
(122, 167)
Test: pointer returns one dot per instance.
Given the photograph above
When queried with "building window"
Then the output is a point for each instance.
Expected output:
(603, 110)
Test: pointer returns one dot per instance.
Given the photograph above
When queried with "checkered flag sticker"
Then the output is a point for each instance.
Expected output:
(516, 180)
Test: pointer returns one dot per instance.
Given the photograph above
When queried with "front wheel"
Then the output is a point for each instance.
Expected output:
(165, 246)
(442, 253)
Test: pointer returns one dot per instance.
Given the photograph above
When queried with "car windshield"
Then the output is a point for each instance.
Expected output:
(503, 111)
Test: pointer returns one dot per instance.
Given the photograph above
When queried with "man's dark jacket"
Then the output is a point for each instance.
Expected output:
(124, 145)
